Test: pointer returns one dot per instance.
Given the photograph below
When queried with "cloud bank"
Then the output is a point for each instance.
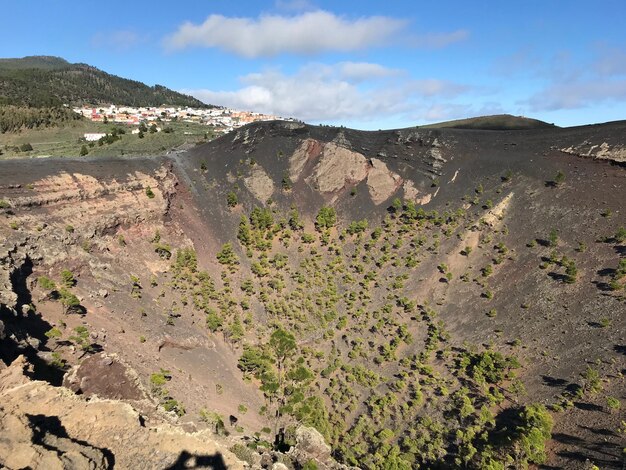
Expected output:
(269, 35)
(307, 33)
(324, 93)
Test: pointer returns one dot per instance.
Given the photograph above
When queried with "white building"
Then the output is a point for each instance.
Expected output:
(94, 136)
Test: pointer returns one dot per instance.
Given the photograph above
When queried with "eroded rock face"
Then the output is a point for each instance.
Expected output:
(410, 191)
(603, 151)
(338, 167)
(92, 207)
(105, 376)
(46, 427)
(10, 260)
(308, 149)
(260, 184)
(32, 446)
(310, 441)
(381, 182)
(312, 447)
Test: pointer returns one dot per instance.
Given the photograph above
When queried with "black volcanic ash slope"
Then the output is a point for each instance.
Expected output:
(468, 279)
(424, 298)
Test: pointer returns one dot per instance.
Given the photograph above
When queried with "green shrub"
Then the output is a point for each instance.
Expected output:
(533, 432)
(613, 403)
(213, 320)
(357, 227)
(54, 332)
(307, 238)
(243, 453)
(553, 238)
(559, 178)
(571, 272)
(227, 255)
(158, 379)
(67, 278)
(326, 218)
(46, 283)
(231, 199)
(81, 338)
(213, 419)
(170, 404)
(68, 300)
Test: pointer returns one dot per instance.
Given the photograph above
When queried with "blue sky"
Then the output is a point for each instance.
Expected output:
(364, 64)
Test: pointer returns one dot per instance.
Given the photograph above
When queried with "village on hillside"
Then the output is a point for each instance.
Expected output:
(222, 119)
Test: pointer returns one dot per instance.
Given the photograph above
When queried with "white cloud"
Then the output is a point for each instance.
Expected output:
(310, 32)
(447, 111)
(269, 35)
(435, 87)
(443, 112)
(332, 93)
(360, 71)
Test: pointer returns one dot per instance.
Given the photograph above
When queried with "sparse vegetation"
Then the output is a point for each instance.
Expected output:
(67, 278)
(231, 199)
(46, 283)
(68, 300)
(384, 334)
(559, 178)
(326, 218)
(553, 238)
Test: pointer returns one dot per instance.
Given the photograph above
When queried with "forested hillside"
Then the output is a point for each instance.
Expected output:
(42, 81)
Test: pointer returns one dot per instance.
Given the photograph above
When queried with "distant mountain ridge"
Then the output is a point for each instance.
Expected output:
(496, 122)
(47, 81)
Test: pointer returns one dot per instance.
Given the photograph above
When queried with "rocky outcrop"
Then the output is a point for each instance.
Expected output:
(11, 260)
(259, 184)
(436, 159)
(46, 427)
(310, 445)
(308, 149)
(410, 191)
(337, 168)
(603, 151)
(106, 376)
(91, 206)
(381, 182)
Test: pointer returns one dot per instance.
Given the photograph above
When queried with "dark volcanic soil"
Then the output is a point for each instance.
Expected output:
(96, 218)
